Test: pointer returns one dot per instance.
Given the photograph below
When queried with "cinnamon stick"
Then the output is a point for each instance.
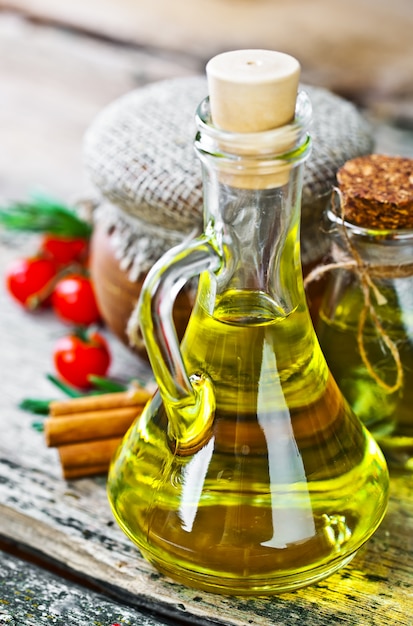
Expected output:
(87, 430)
(90, 425)
(70, 473)
(118, 399)
(84, 456)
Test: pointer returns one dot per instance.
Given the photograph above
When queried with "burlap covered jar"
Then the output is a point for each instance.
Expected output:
(139, 155)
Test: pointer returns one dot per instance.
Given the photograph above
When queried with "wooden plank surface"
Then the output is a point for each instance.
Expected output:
(361, 48)
(54, 83)
(31, 596)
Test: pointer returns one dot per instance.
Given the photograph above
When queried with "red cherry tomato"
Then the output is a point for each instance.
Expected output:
(65, 249)
(76, 357)
(74, 300)
(25, 278)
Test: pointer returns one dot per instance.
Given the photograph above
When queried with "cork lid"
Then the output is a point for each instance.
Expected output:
(377, 191)
(252, 90)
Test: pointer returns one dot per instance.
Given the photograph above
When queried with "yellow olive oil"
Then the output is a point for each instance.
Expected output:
(285, 483)
(388, 416)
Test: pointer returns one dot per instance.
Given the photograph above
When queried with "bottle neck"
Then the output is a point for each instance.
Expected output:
(252, 199)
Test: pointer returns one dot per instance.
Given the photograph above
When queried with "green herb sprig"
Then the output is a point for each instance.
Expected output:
(44, 215)
(40, 406)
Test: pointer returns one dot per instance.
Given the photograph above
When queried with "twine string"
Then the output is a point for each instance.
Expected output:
(352, 261)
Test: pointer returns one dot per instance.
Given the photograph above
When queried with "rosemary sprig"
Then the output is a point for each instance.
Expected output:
(38, 406)
(106, 385)
(67, 389)
(101, 385)
(39, 426)
(44, 215)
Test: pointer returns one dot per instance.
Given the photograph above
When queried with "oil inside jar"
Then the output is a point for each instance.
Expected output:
(285, 486)
(388, 416)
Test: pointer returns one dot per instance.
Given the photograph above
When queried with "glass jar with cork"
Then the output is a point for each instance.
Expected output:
(365, 323)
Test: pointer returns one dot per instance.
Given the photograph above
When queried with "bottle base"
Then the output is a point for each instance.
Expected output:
(245, 586)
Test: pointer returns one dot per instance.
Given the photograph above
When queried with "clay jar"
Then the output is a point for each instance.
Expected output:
(139, 155)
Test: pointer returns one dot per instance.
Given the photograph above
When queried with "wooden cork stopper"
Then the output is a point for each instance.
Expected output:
(252, 90)
(377, 191)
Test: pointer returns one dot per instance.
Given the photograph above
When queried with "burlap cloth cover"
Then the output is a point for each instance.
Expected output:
(139, 154)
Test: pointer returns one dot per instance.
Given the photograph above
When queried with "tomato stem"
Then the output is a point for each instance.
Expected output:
(34, 301)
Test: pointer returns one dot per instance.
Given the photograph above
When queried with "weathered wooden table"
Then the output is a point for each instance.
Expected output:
(64, 561)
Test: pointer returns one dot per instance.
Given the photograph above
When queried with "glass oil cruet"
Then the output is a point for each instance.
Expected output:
(247, 473)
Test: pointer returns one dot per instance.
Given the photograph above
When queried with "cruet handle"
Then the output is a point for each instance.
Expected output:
(189, 401)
